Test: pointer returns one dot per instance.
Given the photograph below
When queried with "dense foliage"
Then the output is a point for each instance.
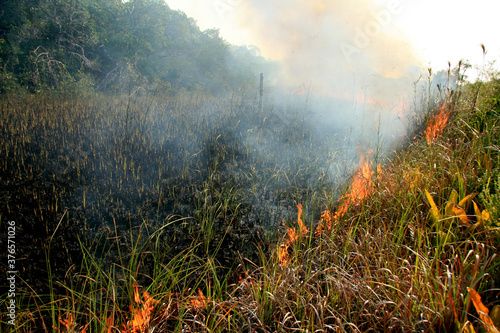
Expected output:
(109, 44)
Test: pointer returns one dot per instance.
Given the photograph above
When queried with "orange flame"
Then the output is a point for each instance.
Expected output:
(362, 183)
(437, 123)
(300, 91)
(110, 322)
(142, 315)
(200, 301)
(69, 322)
(292, 236)
(361, 187)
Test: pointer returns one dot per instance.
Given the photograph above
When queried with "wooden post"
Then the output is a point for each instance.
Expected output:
(261, 92)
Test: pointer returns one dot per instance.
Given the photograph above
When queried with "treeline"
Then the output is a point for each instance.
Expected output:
(112, 45)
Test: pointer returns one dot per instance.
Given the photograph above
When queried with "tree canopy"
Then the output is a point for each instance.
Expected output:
(110, 44)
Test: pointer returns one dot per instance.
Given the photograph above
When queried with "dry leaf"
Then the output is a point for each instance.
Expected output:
(462, 215)
(485, 215)
(453, 197)
(466, 201)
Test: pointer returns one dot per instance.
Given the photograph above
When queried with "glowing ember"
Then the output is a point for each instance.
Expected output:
(361, 187)
(437, 123)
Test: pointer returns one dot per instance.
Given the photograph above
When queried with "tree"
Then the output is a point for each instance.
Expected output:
(50, 43)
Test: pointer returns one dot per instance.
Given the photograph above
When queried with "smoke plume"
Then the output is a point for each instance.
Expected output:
(346, 49)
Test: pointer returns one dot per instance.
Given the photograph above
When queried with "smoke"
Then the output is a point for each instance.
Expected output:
(357, 68)
(339, 48)
(329, 40)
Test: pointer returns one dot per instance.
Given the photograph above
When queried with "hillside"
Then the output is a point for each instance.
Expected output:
(115, 45)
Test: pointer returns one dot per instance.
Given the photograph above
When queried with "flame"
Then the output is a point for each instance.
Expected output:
(300, 91)
(110, 322)
(142, 315)
(70, 324)
(292, 234)
(361, 187)
(200, 301)
(302, 228)
(362, 184)
(437, 123)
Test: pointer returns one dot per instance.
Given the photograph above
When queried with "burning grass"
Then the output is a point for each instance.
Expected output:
(412, 245)
(437, 123)
(360, 188)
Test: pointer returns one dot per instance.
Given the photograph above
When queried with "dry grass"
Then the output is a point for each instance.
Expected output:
(395, 260)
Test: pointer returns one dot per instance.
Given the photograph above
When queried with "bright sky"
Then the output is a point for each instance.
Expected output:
(446, 30)
(439, 30)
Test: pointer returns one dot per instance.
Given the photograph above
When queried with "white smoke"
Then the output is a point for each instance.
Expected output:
(337, 46)
(349, 52)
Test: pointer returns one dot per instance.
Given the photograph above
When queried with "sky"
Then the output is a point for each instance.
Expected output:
(437, 31)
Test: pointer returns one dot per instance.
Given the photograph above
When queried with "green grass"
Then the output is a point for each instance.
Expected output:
(198, 242)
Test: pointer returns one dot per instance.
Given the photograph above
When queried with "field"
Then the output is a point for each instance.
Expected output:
(142, 213)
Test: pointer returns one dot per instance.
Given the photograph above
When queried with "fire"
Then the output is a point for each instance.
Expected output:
(142, 315)
(292, 235)
(437, 123)
(69, 322)
(362, 183)
(200, 301)
(302, 228)
(141, 311)
(361, 187)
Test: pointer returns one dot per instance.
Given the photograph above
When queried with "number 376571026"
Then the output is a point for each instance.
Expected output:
(11, 241)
